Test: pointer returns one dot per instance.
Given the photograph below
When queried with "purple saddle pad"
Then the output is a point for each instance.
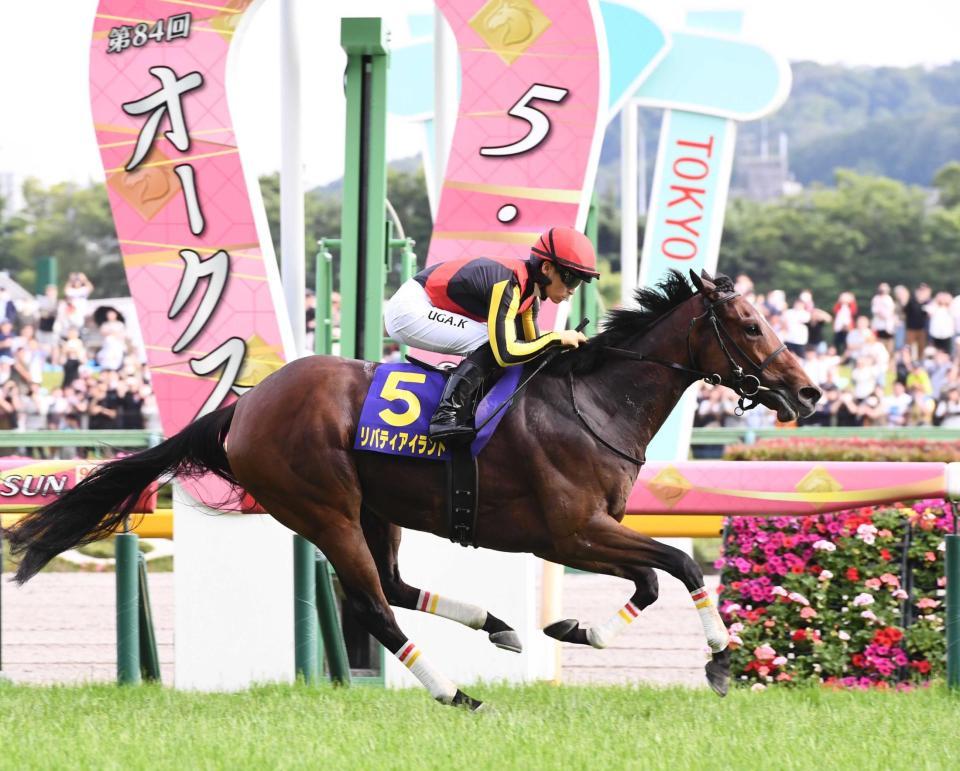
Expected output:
(396, 413)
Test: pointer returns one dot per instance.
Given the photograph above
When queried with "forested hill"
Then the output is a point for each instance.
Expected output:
(902, 123)
(899, 123)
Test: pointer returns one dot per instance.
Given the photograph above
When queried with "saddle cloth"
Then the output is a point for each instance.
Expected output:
(402, 397)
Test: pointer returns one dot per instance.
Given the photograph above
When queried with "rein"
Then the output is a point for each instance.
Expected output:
(746, 386)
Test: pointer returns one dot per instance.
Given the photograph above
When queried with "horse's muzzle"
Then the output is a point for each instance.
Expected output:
(807, 397)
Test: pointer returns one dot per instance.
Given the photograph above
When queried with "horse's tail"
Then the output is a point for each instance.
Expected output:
(96, 506)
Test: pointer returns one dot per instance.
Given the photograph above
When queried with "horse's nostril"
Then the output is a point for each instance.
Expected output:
(810, 394)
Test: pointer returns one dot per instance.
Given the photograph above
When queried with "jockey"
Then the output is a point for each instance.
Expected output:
(485, 309)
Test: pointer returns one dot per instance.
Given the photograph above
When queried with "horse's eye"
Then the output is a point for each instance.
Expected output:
(753, 330)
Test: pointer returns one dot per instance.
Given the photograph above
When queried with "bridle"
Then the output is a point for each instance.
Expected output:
(747, 386)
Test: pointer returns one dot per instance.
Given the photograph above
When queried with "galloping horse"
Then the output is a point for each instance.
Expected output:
(554, 478)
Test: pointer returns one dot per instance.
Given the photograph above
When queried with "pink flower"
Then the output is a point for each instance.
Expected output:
(927, 602)
(797, 597)
(899, 594)
(825, 546)
(779, 591)
(825, 575)
(779, 661)
(764, 653)
(863, 599)
(758, 687)
(808, 612)
(869, 615)
(891, 579)
(872, 583)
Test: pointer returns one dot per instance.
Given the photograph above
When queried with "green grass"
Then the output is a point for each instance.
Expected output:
(531, 727)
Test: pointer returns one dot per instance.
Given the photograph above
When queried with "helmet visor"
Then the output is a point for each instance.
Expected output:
(570, 279)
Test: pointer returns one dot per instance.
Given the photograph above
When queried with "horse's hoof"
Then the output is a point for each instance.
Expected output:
(508, 640)
(718, 672)
(460, 699)
(559, 630)
(567, 631)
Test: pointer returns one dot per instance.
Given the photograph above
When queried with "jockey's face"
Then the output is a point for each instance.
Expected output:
(556, 290)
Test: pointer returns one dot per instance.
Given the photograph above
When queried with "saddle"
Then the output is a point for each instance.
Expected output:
(395, 419)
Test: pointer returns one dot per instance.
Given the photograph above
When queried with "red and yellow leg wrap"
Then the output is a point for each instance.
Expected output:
(604, 634)
(462, 612)
(713, 626)
(440, 687)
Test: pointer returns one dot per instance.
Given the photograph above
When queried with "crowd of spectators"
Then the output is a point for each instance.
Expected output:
(65, 365)
(894, 363)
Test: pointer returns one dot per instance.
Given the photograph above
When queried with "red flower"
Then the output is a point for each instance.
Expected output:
(799, 635)
(923, 667)
(853, 574)
(858, 660)
(816, 569)
(885, 553)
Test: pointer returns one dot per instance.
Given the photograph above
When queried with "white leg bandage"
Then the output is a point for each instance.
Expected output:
(604, 634)
(713, 627)
(467, 614)
(440, 687)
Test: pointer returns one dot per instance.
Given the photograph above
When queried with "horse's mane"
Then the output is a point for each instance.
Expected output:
(620, 325)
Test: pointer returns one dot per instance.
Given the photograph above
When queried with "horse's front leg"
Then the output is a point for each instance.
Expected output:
(603, 545)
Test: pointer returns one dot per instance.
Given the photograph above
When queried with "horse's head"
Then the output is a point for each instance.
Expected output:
(729, 337)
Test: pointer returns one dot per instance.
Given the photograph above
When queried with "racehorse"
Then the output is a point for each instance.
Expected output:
(553, 480)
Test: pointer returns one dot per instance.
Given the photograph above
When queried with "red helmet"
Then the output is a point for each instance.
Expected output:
(568, 248)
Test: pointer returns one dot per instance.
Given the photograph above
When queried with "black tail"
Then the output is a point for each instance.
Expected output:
(96, 506)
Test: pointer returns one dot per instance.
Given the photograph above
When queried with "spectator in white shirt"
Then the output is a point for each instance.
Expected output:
(883, 316)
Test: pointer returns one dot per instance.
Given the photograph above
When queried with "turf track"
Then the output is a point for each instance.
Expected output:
(532, 727)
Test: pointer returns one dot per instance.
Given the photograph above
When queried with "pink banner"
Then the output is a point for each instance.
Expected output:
(26, 483)
(780, 487)
(207, 297)
(529, 126)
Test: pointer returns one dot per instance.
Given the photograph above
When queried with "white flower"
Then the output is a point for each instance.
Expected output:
(869, 615)
(899, 594)
(867, 533)
(779, 661)
(735, 628)
(779, 591)
(843, 635)
(825, 546)
(863, 599)
(797, 597)
(942, 546)
(758, 687)
(825, 575)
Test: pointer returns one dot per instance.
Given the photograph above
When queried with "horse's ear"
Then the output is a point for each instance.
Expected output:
(703, 283)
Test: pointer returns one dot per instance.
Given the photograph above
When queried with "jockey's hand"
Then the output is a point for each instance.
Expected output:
(571, 338)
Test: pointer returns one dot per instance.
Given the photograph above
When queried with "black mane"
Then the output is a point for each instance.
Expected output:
(621, 325)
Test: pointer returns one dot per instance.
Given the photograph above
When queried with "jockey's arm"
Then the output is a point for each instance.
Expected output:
(502, 328)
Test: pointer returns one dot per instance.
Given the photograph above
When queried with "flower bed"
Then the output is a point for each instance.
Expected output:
(852, 599)
(814, 449)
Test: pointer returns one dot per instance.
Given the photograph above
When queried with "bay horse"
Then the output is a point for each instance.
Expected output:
(554, 478)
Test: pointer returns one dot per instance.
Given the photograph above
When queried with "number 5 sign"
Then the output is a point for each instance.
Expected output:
(532, 106)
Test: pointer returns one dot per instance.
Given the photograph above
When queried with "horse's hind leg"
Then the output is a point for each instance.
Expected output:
(341, 539)
(383, 539)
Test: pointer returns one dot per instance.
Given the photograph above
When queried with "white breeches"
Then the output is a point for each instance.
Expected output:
(411, 319)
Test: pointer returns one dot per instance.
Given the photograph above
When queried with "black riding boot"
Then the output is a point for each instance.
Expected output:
(452, 418)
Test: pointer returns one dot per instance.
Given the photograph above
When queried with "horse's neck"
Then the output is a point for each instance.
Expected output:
(635, 398)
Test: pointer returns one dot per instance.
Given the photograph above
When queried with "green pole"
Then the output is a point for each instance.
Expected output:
(126, 547)
(408, 269)
(323, 332)
(305, 610)
(362, 270)
(149, 659)
(952, 571)
(333, 642)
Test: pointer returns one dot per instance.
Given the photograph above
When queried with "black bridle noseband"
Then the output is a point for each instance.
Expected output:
(746, 386)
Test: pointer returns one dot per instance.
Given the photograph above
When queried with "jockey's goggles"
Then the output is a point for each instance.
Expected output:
(570, 279)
